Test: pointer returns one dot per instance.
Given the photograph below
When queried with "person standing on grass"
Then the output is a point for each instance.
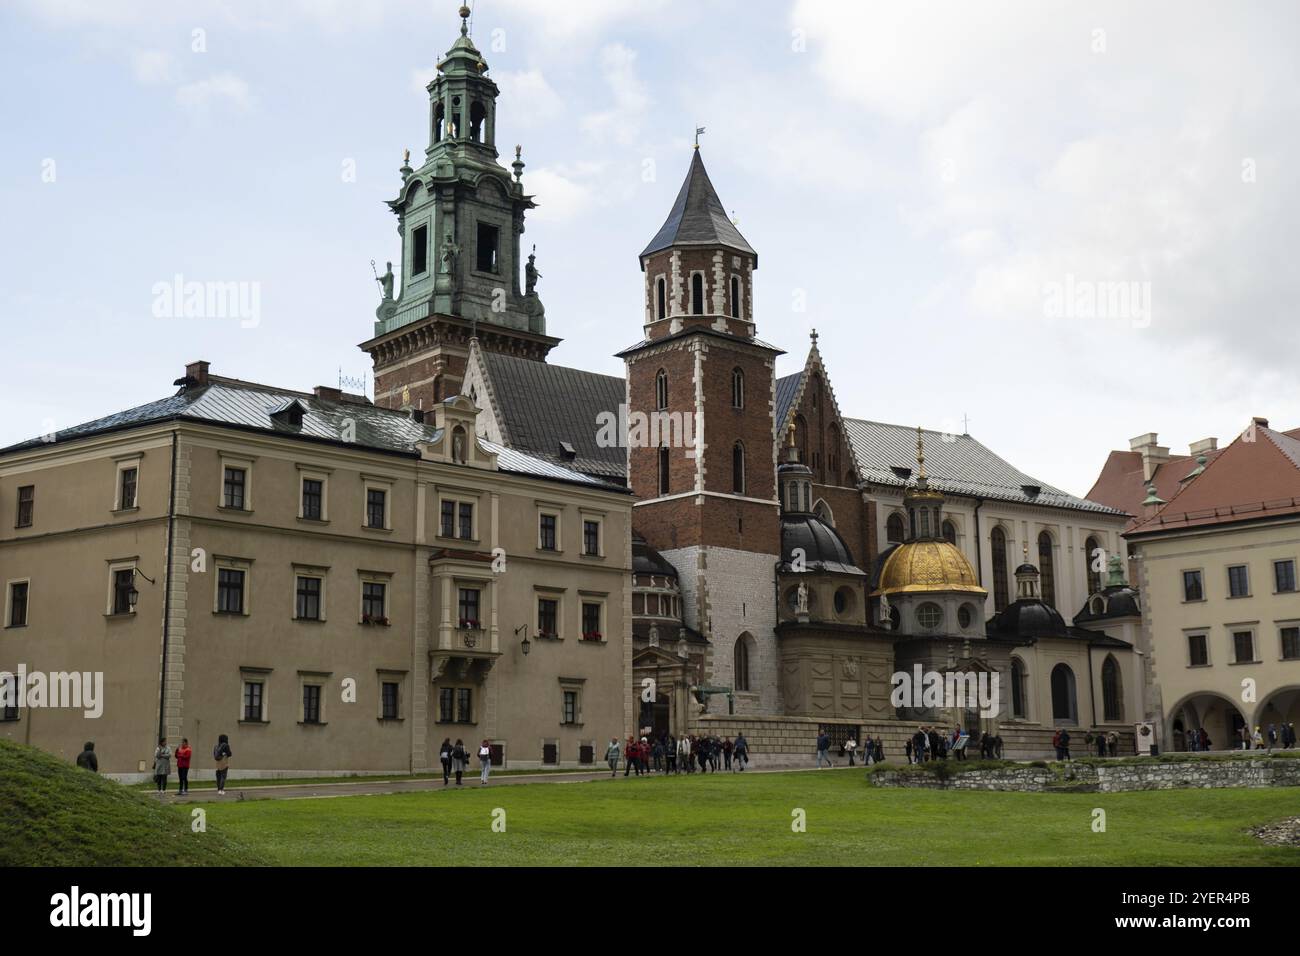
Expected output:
(823, 749)
(87, 760)
(1101, 744)
(670, 753)
(485, 761)
(629, 758)
(221, 757)
(684, 753)
(726, 753)
(183, 755)
(444, 758)
(1065, 744)
(612, 753)
(741, 748)
(162, 764)
(459, 759)
(657, 752)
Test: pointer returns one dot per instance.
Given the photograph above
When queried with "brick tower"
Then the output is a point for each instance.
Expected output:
(460, 216)
(704, 468)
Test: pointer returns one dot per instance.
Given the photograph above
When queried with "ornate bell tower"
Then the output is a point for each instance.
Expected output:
(460, 217)
(704, 467)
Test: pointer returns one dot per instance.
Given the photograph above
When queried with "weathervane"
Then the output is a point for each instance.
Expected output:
(698, 131)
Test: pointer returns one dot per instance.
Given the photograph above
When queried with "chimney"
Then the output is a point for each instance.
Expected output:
(1259, 421)
(198, 371)
(1153, 454)
(1203, 446)
(327, 394)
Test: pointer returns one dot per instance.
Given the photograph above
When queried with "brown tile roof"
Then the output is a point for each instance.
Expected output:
(1121, 486)
(1256, 477)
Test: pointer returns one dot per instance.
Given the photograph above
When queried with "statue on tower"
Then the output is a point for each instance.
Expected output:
(531, 275)
(386, 282)
(450, 249)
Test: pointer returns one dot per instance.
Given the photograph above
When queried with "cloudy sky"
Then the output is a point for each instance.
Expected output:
(1073, 223)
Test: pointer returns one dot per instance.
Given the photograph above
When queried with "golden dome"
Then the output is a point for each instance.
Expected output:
(927, 566)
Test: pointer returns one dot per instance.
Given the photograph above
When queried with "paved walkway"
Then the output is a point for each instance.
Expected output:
(363, 787)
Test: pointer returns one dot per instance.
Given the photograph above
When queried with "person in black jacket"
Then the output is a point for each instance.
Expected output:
(459, 758)
(444, 756)
(87, 759)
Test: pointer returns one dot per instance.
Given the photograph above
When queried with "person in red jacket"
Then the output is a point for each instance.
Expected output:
(183, 755)
(632, 754)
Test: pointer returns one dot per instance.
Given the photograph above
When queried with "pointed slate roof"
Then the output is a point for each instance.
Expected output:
(698, 218)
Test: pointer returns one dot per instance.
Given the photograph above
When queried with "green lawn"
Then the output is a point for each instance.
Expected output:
(733, 819)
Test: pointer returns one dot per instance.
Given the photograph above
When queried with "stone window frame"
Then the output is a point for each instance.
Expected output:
(322, 475)
(1294, 579)
(223, 562)
(388, 676)
(1228, 569)
(313, 679)
(366, 576)
(377, 483)
(243, 463)
(601, 599)
(1243, 627)
(542, 592)
(1280, 625)
(320, 573)
(459, 497)
(115, 565)
(1204, 634)
(573, 685)
(1182, 585)
(585, 515)
(556, 511)
(9, 597)
(254, 675)
(122, 465)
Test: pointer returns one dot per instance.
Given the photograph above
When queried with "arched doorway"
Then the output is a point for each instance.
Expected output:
(1217, 715)
(1112, 691)
(1282, 706)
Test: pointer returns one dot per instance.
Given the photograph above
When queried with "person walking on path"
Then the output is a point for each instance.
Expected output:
(631, 758)
(740, 753)
(459, 759)
(726, 753)
(87, 760)
(444, 757)
(162, 764)
(221, 755)
(850, 745)
(823, 748)
(184, 753)
(611, 756)
(485, 761)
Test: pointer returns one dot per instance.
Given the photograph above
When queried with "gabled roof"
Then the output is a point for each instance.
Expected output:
(1122, 486)
(787, 389)
(542, 407)
(956, 464)
(698, 218)
(353, 421)
(1256, 477)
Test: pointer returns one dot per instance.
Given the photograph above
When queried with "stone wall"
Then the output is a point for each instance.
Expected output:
(1116, 777)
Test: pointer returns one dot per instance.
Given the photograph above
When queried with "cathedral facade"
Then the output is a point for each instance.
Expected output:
(788, 560)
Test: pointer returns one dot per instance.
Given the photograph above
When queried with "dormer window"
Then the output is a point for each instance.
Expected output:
(289, 416)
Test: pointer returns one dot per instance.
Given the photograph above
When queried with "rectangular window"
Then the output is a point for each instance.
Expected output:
(233, 489)
(570, 707)
(1243, 646)
(390, 700)
(1290, 643)
(18, 604)
(253, 700)
(447, 526)
(548, 617)
(1238, 581)
(126, 494)
(446, 705)
(230, 591)
(372, 602)
(591, 537)
(376, 499)
(311, 703)
(26, 506)
(1192, 590)
(466, 520)
(590, 621)
(313, 498)
(1284, 576)
(546, 532)
(308, 599)
(1197, 652)
(469, 613)
(420, 251)
(486, 249)
(464, 712)
(122, 585)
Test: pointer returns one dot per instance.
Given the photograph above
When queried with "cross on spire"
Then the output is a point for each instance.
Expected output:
(813, 335)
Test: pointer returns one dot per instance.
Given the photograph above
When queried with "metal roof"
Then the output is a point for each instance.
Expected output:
(955, 464)
(230, 403)
(698, 217)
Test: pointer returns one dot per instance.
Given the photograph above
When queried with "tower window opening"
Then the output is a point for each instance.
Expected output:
(697, 294)
(738, 468)
(477, 116)
(439, 122)
(661, 390)
(420, 251)
(661, 293)
(735, 297)
(737, 388)
(486, 249)
(663, 471)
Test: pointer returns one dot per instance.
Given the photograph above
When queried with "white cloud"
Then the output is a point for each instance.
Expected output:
(622, 122)
(564, 192)
(527, 97)
(220, 88)
(153, 67)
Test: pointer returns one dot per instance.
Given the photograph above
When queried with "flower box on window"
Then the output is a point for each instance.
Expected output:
(469, 624)
(377, 619)
(592, 636)
(546, 635)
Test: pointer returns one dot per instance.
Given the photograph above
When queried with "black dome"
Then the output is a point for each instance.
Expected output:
(1121, 601)
(646, 560)
(1029, 618)
(823, 548)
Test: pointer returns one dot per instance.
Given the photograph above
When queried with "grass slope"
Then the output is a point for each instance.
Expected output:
(736, 820)
(53, 814)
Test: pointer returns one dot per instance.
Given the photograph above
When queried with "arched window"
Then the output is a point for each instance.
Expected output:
(663, 471)
(950, 532)
(740, 661)
(439, 119)
(1063, 701)
(998, 546)
(697, 293)
(735, 297)
(894, 528)
(1090, 547)
(661, 389)
(1112, 695)
(661, 297)
(1046, 569)
(738, 468)
(1018, 689)
(737, 388)
(477, 115)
